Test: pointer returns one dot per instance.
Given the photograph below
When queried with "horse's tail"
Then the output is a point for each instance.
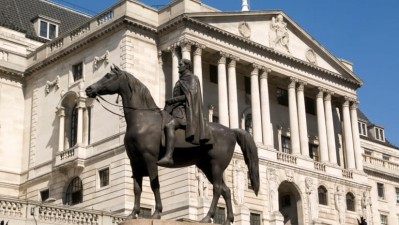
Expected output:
(250, 152)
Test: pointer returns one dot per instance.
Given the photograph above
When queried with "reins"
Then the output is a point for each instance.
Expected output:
(125, 107)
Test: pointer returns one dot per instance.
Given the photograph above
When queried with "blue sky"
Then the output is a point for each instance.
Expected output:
(361, 31)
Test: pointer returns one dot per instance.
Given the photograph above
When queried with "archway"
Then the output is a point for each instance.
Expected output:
(290, 204)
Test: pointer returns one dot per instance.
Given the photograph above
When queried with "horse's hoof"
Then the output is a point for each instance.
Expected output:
(156, 216)
(206, 219)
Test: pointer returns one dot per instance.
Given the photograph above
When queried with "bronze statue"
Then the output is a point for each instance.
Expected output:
(144, 149)
(362, 221)
(187, 112)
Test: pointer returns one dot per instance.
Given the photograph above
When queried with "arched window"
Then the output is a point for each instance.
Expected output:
(322, 191)
(350, 202)
(74, 193)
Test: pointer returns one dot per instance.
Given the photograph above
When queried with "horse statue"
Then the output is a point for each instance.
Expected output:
(362, 221)
(144, 146)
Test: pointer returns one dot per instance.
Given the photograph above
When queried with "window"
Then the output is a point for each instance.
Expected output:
(310, 106)
(74, 193)
(385, 157)
(44, 195)
(48, 30)
(314, 152)
(219, 216)
(362, 128)
(285, 144)
(350, 202)
(254, 219)
(215, 119)
(145, 213)
(380, 190)
(282, 96)
(74, 127)
(379, 134)
(322, 191)
(384, 219)
(285, 201)
(213, 74)
(397, 195)
(248, 123)
(247, 83)
(77, 71)
(104, 177)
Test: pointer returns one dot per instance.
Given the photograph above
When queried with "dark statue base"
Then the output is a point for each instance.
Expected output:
(160, 222)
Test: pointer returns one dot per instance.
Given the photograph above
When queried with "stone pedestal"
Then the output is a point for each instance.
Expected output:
(160, 222)
(276, 219)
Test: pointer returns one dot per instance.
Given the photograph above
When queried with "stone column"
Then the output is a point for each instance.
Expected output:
(186, 50)
(321, 125)
(348, 135)
(222, 90)
(330, 129)
(80, 107)
(61, 133)
(267, 129)
(175, 65)
(293, 113)
(303, 127)
(356, 137)
(197, 63)
(233, 102)
(255, 104)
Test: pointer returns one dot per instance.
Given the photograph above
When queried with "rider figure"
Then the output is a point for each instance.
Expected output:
(186, 110)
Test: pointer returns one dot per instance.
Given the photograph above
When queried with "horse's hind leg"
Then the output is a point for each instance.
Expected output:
(215, 176)
(227, 198)
(154, 182)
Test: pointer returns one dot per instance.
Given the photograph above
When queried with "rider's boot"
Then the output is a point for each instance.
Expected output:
(167, 160)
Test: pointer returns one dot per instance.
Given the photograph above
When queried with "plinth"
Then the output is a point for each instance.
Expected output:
(160, 222)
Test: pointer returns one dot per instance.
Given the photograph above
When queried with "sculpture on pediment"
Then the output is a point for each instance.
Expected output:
(278, 34)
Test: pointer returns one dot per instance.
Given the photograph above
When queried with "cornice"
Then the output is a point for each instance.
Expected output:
(122, 22)
(186, 20)
(10, 74)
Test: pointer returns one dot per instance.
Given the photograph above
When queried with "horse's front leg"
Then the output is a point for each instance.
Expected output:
(154, 182)
(137, 187)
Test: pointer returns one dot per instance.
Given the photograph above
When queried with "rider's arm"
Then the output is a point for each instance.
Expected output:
(176, 99)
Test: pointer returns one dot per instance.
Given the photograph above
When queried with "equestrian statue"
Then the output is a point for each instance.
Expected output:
(189, 138)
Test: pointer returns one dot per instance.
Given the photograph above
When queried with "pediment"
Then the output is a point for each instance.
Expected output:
(275, 30)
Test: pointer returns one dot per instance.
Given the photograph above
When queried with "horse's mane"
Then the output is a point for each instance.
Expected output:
(142, 91)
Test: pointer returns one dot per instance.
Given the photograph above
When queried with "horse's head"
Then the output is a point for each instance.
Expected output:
(107, 85)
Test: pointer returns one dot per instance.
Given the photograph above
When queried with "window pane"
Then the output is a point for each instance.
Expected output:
(397, 195)
(310, 106)
(104, 177)
(282, 96)
(286, 144)
(74, 193)
(52, 31)
(350, 202)
(44, 195)
(43, 29)
(77, 71)
(380, 189)
(322, 195)
(213, 74)
(384, 220)
(74, 128)
(247, 82)
(254, 219)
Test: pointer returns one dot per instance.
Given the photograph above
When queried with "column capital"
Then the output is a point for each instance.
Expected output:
(346, 102)
(60, 111)
(198, 48)
(222, 57)
(301, 86)
(255, 69)
(265, 72)
(293, 82)
(327, 97)
(354, 104)
(232, 62)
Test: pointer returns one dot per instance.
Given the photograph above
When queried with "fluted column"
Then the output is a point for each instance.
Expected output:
(255, 104)
(61, 133)
(293, 112)
(267, 129)
(186, 50)
(356, 137)
(222, 91)
(233, 102)
(302, 122)
(175, 65)
(348, 135)
(197, 62)
(332, 152)
(321, 125)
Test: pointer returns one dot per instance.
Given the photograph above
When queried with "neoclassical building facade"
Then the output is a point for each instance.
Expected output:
(321, 160)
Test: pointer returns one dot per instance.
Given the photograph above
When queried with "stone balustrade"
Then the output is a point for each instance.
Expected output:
(347, 174)
(15, 211)
(320, 166)
(287, 158)
(378, 162)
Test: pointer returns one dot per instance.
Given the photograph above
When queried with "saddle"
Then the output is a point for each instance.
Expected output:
(180, 134)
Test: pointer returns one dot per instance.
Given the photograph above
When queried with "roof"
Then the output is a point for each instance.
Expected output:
(18, 15)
